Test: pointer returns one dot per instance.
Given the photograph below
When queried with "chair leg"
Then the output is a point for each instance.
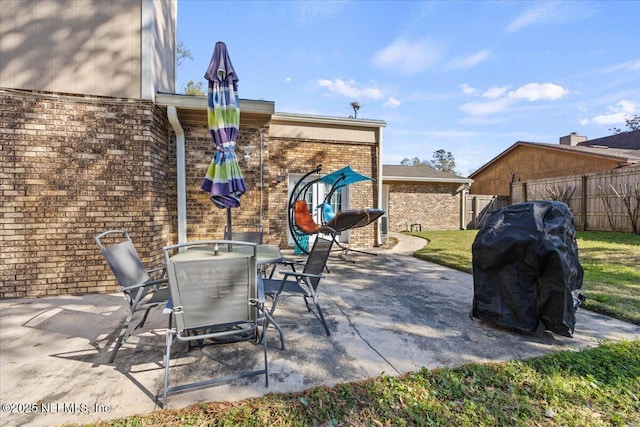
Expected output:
(306, 301)
(144, 318)
(264, 346)
(321, 318)
(121, 337)
(167, 360)
(270, 319)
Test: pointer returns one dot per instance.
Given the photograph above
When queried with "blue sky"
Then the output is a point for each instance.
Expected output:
(468, 77)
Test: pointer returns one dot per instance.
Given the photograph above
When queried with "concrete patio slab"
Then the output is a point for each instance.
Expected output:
(389, 314)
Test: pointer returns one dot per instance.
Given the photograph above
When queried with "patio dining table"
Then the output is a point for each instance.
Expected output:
(265, 255)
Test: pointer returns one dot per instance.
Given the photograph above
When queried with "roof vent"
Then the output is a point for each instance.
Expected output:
(572, 139)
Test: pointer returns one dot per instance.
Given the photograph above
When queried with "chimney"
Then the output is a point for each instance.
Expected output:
(572, 139)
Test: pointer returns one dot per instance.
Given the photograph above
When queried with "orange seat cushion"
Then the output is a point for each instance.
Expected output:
(304, 220)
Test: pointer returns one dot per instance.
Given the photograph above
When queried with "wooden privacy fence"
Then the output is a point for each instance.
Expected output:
(596, 199)
(481, 206)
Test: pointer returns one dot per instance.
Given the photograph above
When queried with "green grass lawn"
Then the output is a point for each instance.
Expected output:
(611, 263)
(593, 387)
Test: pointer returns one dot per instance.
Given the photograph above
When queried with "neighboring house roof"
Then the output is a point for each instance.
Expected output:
(624, 156)
(624, 141)
(420, 174)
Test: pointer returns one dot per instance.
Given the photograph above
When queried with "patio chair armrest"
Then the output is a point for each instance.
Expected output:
(147, 283)
(291, 262)
(300, 274)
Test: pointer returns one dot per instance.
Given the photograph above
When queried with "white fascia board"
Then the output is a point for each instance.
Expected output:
(328, 120)
(189, 102)
(425, 179)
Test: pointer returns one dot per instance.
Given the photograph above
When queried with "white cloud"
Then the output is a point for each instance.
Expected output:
(539, 13)
(495, 92)
(500, 98)
(409, 56)
(617, 114)
(287, 79)
(551, 12)
(350, 89)
(466, 89)
(537, 91)
(488, 107)
(307, 11)
(392, 102)
(624, 66)
(469, 61)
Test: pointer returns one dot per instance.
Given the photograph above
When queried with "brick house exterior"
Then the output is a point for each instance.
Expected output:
(72, 167)
(96, 143)
(76, 165)
(425, 197)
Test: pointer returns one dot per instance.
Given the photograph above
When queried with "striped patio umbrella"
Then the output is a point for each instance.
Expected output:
(224, 181)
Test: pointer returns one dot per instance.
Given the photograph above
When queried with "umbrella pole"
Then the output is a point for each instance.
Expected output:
(229, 228)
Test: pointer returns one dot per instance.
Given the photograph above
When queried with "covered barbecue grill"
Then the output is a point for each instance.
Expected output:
(526, 272)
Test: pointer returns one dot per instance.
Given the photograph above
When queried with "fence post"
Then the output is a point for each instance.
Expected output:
(583, 202)
(474, 214)
(524, 192)
(510, 193)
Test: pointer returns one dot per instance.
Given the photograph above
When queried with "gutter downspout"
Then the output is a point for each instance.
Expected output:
(379, 221)
(463, 207)
(172, 113)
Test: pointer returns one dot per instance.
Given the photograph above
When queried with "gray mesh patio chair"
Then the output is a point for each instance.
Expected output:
(245, 232)
(142, 288)
(303, 283)
(216, 297)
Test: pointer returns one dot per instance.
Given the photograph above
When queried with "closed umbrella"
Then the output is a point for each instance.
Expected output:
(224, 181)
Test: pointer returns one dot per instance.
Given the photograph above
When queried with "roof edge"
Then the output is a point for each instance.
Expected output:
(195, 102)
(548, 146)
(330, 120)
(427, 179)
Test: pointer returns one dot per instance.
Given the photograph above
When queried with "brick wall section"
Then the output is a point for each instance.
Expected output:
(204, 220)
(280, 157)
(289, 156)
(433, 206)
(73, 167)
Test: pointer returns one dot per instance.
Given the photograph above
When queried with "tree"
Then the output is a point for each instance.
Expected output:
(193, 88)
(182, 54)
(444, 161)
(414, 162)
(632, 123)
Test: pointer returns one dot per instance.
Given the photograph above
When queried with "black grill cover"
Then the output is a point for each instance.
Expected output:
(526, 268)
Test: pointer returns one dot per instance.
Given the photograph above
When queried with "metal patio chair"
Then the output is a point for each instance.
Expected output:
(245, 232)
(216, 297)
(142, 288)
(303, 283)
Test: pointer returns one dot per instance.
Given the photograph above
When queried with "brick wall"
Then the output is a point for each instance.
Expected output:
(433, 206)
(299, 156)
(204, 220)
(71, 168)
(74, 166)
